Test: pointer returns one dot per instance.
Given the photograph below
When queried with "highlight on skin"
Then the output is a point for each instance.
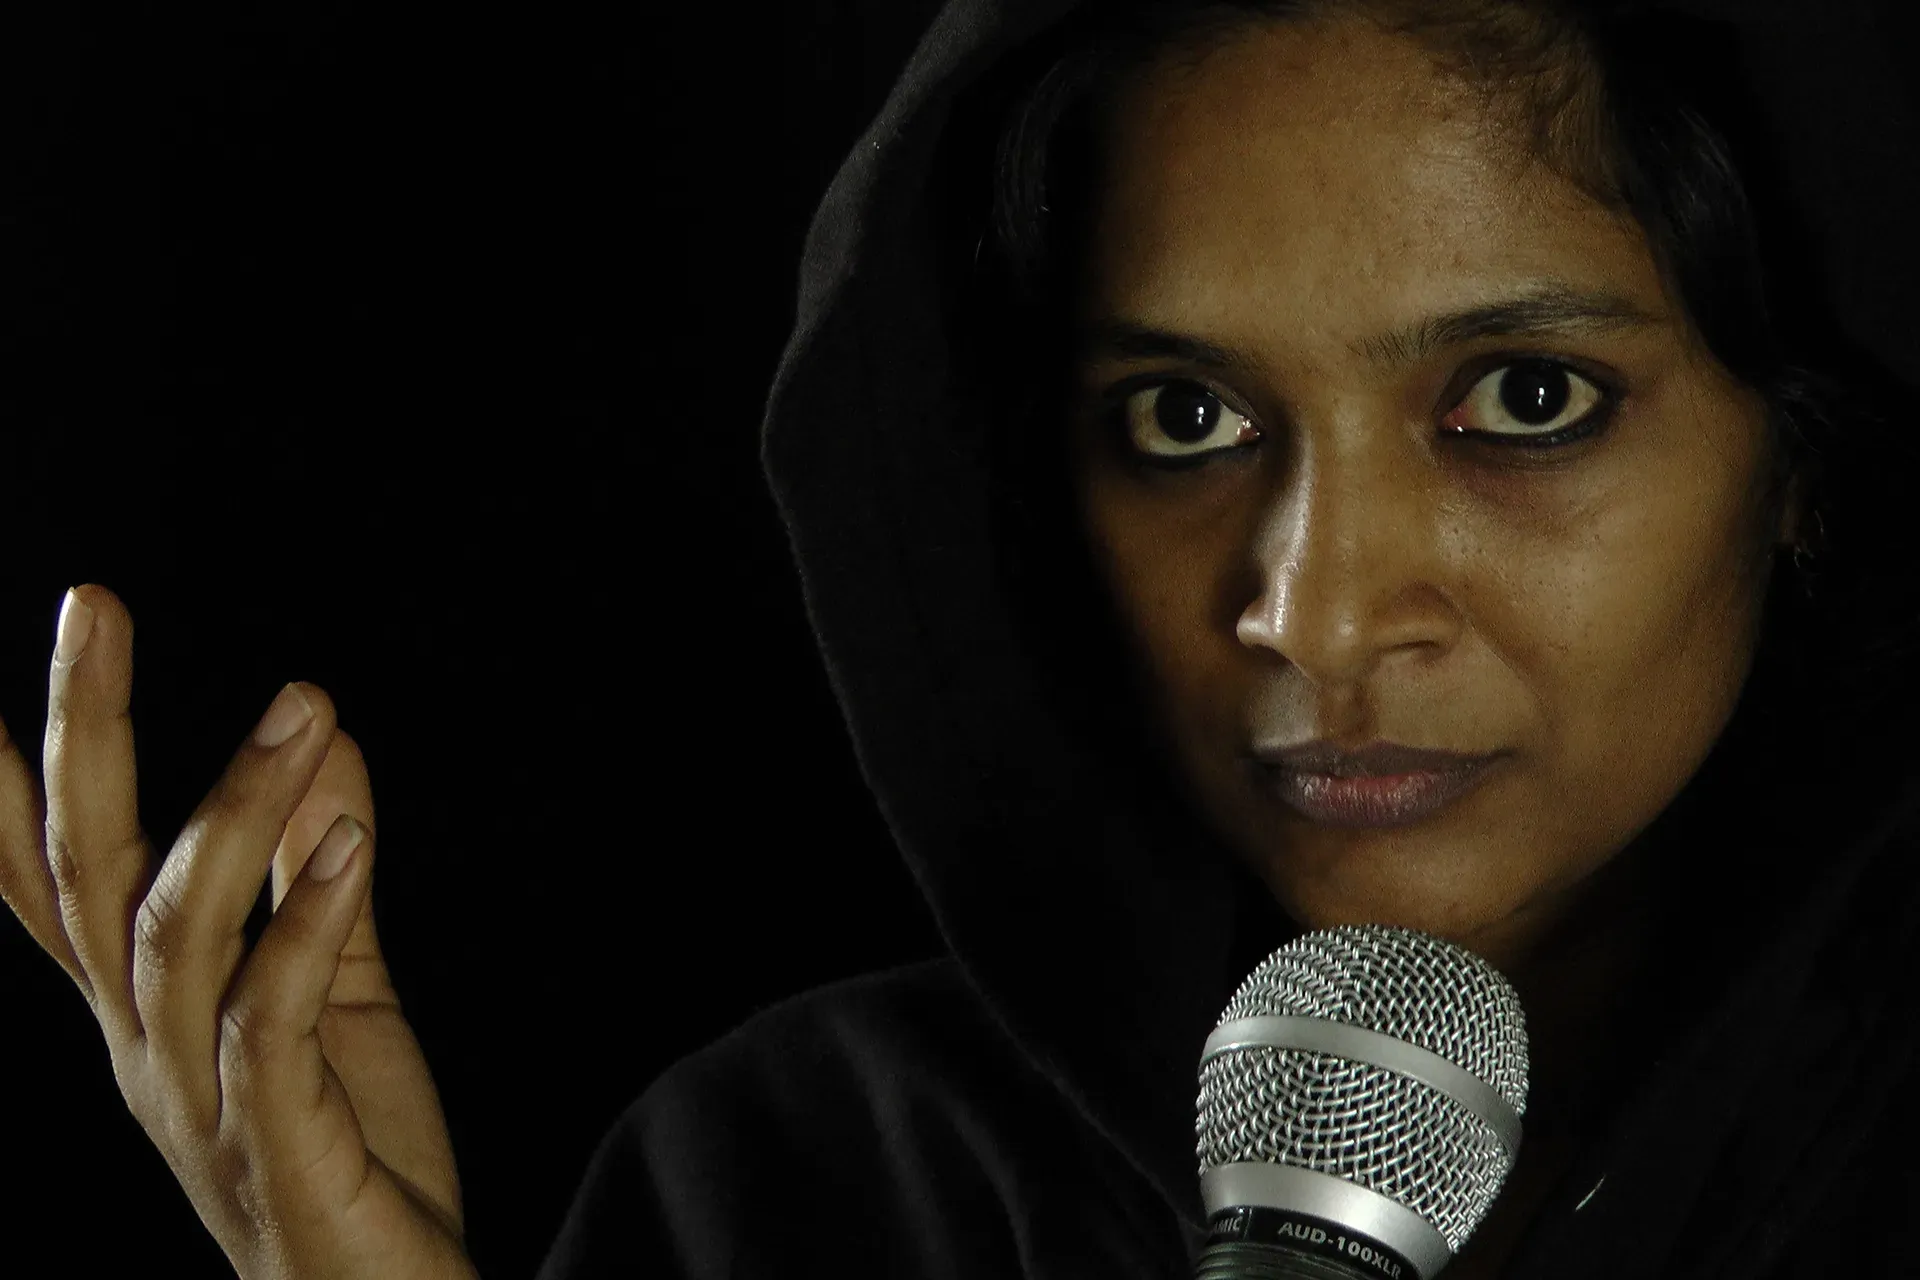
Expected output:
(1324, 290)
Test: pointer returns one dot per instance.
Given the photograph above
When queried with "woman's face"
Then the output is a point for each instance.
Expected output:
(1338, 219)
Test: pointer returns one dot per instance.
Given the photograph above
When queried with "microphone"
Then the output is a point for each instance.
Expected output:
(1359, 1108)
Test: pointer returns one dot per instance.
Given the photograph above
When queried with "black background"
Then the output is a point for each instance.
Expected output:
(420, 353)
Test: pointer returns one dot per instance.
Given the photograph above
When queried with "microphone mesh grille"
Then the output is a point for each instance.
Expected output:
(1366, 1124)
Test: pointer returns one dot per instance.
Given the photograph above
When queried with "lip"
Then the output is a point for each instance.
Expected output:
(1376, 759)
(1373, 800)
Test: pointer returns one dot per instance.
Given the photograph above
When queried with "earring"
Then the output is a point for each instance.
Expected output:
(1808, 552)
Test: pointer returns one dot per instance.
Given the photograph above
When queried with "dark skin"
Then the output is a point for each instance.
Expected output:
(1354, 559)
(281, 1082)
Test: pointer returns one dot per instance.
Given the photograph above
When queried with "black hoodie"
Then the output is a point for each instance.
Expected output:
(1024, 1106)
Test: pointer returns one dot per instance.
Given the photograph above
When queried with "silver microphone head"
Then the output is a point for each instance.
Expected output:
(1364, 1086)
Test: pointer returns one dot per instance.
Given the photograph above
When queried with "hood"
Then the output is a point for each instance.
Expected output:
(1095, 918)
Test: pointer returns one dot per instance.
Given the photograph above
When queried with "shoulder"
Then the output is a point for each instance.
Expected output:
(857, 1029)
(875, 1045)
(868, 1063)
(884, 1123)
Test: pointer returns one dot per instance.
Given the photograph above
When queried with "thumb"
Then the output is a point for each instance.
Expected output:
(341, 786)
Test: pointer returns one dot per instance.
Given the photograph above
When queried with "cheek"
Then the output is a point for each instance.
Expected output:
(1171, 571)
(1635, 637)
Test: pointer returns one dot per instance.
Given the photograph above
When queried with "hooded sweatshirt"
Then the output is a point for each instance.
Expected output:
(1024, 1104)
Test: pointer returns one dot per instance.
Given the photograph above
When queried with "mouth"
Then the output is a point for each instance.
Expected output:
(1372, 800)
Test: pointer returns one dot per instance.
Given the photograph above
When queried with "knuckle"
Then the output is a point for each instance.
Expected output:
(164, 928)
(229, 1162)
(250, 1037)
(76, 871)
(66, 869)
(161, 927)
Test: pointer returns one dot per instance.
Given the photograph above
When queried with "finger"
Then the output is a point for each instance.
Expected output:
(26, 885)
(272, 1069)
(342, 786)
(98, 856)
(190, 932)
(373, 1053)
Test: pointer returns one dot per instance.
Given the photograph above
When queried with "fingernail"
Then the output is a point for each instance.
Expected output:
(335, 848)
(289, 712)
(76, 624)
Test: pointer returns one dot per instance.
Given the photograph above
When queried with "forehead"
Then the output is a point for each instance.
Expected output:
(1333, 171)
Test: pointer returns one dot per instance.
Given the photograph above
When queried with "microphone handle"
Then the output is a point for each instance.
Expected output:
(1248, 1260)
(1268, 1242)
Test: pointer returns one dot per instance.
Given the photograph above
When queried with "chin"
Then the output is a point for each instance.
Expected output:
(1410, 882)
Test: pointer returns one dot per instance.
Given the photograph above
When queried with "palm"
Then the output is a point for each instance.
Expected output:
(363, 1035)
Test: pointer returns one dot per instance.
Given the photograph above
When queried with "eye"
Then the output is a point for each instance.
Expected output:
(1531, 402)
(1182, 422)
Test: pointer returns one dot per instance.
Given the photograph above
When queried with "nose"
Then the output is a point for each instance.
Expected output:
(1349, 557)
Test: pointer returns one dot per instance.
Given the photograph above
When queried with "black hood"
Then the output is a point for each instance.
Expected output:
(1098, 921)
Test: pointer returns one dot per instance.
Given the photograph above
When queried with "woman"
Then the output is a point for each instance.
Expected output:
(1195, 410)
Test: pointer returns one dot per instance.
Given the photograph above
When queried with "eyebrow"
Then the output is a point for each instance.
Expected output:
(1552, 310)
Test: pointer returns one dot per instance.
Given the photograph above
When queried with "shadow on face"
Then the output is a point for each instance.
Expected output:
(1385, 433)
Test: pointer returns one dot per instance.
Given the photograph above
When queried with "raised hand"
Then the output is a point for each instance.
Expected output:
(284, 1087)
